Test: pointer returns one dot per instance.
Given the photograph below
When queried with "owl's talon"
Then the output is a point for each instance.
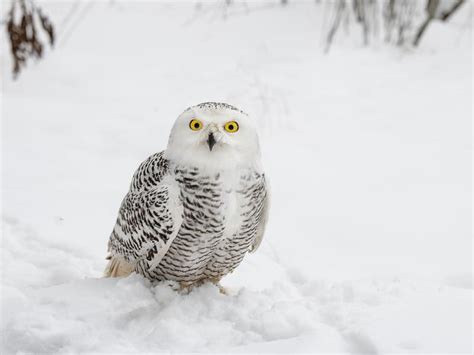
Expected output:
(223, 290)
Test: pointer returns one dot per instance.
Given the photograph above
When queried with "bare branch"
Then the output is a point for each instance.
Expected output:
(431, 8)
(447, 14)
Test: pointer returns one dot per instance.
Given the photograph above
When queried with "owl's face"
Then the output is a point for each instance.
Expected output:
(216, 136)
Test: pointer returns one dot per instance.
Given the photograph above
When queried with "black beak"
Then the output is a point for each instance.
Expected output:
(211, 141)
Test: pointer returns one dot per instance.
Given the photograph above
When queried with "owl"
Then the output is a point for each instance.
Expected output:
(195, 209)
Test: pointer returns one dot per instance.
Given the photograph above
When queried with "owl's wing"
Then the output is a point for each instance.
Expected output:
(263, 217)
(149, 218)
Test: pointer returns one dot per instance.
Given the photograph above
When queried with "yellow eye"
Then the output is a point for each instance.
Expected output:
(195, 125)
(231, 126)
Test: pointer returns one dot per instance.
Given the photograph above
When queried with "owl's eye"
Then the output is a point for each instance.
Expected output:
(231, 126)
(195, 125)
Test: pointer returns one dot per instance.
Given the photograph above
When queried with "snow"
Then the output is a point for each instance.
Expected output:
(368, 150)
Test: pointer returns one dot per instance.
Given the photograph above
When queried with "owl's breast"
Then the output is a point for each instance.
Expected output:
(213, 237)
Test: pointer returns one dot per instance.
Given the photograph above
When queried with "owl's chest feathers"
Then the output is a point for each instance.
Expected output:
(217, 227)
(211, 205)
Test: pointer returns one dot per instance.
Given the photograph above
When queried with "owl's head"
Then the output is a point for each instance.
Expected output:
(215, 136)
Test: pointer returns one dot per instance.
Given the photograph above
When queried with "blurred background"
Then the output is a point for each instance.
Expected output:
(364, 109)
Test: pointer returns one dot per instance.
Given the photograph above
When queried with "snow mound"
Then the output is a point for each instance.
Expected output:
(128, 315)
(60, 312)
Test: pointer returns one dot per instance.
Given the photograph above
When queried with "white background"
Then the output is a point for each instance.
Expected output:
(368, 152)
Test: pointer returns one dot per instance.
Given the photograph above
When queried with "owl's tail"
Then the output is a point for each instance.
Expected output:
(117, 267)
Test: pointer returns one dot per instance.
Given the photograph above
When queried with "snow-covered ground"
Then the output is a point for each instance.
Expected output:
(369, 246)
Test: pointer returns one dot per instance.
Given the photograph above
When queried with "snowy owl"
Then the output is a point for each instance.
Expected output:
(194, 210)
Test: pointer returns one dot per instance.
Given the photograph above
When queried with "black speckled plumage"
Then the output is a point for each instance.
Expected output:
(179, 223)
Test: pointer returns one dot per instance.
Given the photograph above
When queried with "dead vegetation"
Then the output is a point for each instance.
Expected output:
(28, 30)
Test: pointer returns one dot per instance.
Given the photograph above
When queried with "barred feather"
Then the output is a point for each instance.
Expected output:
(180, 223)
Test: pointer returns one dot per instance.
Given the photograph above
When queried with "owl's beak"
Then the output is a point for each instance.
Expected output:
(211, 141)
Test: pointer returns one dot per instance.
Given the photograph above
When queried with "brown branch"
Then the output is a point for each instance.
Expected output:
(23, 32)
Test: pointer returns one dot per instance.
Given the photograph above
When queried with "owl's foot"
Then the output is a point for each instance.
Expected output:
(186, 287)
(222, 289)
